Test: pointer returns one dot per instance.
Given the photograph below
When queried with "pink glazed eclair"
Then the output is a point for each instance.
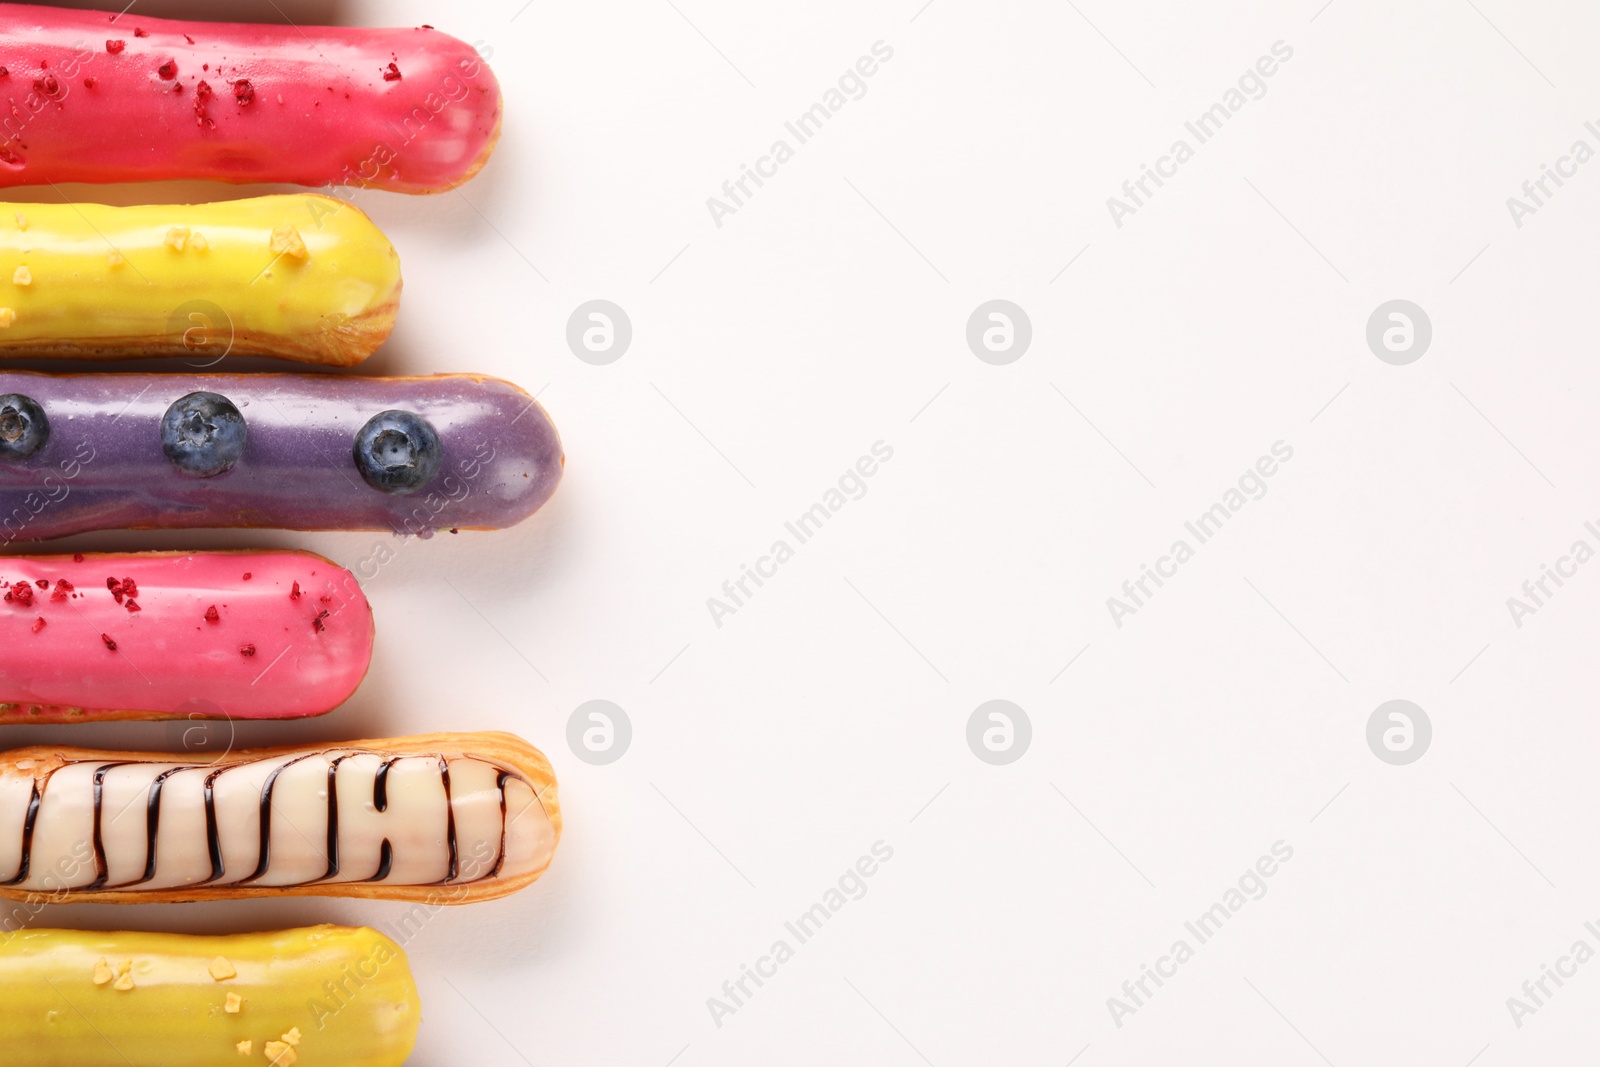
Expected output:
(171, 635)
(97, 96)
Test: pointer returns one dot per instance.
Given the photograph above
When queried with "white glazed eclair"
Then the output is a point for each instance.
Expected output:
(441, 818)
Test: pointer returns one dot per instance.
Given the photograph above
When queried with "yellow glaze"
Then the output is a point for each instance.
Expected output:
(301, 277)
(343, 996)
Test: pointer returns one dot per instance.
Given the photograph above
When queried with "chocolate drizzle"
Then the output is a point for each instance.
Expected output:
(27, 835)
(213, 836)
(264, 860)
(265, 855)
(333, 817)
(385, 862)
(505, 821)
(450, 822)
(102, 870)
(380, 785)
(152, 820)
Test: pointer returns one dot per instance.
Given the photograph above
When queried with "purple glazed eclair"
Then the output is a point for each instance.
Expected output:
(83, 452)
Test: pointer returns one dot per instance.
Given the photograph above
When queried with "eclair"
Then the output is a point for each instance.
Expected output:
(299, 277)
(168, 635)
(97, 96)
(320, 995)
(440, 819)
(82, 452)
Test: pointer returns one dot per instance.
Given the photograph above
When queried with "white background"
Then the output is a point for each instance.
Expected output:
(829, 313)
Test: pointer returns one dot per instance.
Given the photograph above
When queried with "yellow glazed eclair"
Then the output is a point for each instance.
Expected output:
(327, 994)
(439, 819)
(301, 277)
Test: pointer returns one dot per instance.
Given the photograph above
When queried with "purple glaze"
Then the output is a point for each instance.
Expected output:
(103, 468)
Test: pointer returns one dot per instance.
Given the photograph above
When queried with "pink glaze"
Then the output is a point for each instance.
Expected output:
(98, 97)
(87, 652)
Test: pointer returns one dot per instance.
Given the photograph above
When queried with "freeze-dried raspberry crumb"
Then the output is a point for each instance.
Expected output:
(294, 594)
(202, 101)
(243, 92)
(38, 624)
(42, 583)
(110, 644)
(247, 651)
(212, 615)
(168, 70)
(133, 606)
(391, 73)
(116, 47)
(61, 591)
(317, 624)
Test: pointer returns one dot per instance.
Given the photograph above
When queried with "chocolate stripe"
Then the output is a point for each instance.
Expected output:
(152, 821)
(27, 834)
(333, 817)
(380, 785)
(265, 856)
(213, 836)
(101, 866)
(505, 823)
(385, 862)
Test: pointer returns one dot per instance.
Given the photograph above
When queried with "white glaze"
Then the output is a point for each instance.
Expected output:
(500, 829)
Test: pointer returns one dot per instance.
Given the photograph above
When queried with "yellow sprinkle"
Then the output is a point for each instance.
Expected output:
(7, 317)
(22, 276)
(177, 237)
(222, 970)
(233, 1003)
(102, 972)
(125, 966)
(280, 1054)
(22, 222)
(293, 1036)
(199, 243)
(124, 982)
(244, 1047)
(114, 258)
(286, 241)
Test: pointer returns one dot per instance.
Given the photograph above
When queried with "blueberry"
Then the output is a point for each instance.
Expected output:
(203, 435)
(398, 452)
(24, 428)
